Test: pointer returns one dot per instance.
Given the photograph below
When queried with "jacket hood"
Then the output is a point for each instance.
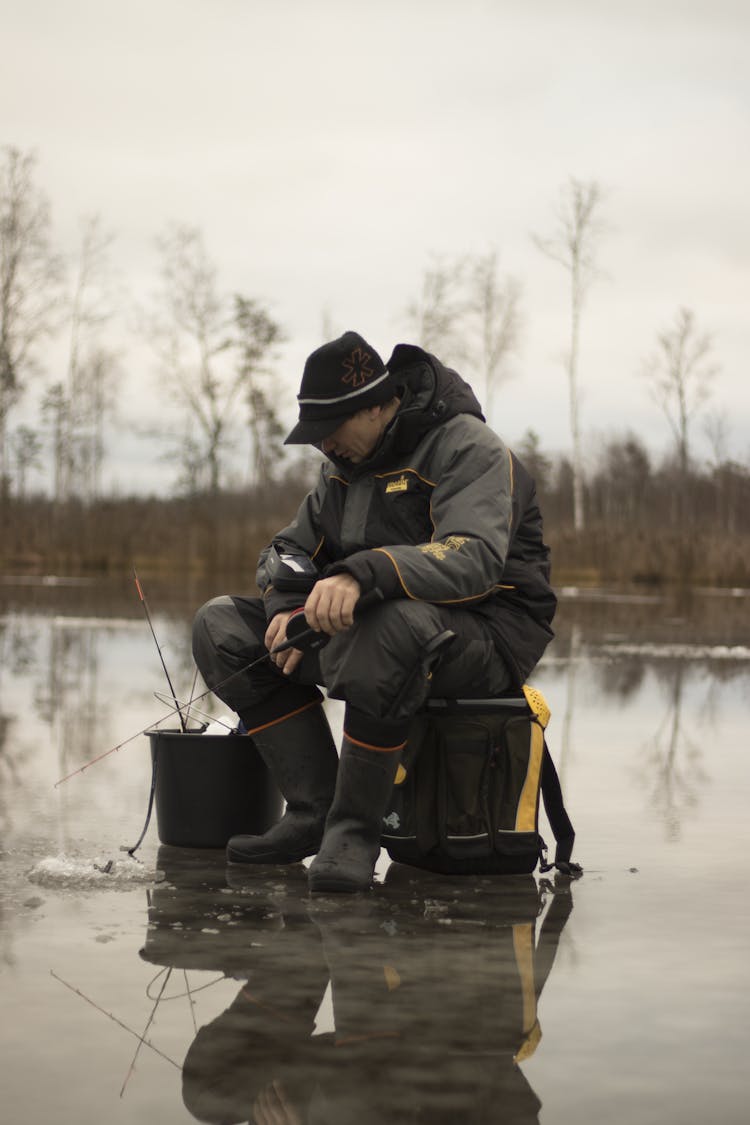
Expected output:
(436, 393)
(430, 393)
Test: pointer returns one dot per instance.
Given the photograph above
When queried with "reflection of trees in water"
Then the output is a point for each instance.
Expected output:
(17, 645)
(67, 693)
(17, 656)
(621, 677)
(669, 766)
(671, 759)
(9, 773)
(573, 668)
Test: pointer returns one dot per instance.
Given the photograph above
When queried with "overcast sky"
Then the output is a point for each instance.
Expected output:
(327, 149)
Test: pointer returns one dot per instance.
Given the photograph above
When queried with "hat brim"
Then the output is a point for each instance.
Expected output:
(311, 431)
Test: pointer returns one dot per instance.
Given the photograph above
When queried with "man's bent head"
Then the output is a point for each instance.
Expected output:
(341, 380)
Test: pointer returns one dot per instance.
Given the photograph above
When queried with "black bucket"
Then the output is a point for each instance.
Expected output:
(210, 787)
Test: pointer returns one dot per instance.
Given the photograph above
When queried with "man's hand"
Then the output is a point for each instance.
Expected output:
(288, 660)
(329, 609)
(330, 604)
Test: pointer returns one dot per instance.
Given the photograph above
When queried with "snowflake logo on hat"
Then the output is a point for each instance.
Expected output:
(356, 368)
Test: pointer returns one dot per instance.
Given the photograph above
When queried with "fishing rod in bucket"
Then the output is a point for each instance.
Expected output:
(299, 635)
(173, 693)
(183, 726)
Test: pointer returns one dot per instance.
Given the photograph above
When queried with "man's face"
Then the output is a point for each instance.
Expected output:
(356, 438)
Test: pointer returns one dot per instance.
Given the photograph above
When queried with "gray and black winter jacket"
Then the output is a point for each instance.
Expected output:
(442, 512)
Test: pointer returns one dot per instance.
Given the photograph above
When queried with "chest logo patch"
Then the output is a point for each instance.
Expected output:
(400, 484)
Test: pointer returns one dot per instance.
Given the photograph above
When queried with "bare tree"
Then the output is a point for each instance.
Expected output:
(436, 318)
(573, 245)
(619, 489)
(494, 301)
(91, 370)
(55, 411)
(716, 428)
(30, 275)
(26, 449)
(680, 373)
(100, 377)
(672, 760)
(193, 337)
(257, 337)
(535, 460)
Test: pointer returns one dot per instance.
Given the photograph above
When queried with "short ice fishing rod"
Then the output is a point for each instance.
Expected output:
(300, 635)
(144, 603)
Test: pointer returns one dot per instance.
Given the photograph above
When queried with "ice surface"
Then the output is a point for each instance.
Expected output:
(66, 871)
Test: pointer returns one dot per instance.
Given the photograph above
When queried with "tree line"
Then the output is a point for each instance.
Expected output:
(216, 355)
(636, 533)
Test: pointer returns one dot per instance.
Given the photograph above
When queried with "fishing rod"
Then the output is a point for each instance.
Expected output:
(144, 603)
(142, 1038)
(164, 698)
(299, 635)
(114, 1019)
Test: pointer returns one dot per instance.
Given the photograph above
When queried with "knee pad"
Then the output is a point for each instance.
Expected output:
(220, 632)
(367, 664)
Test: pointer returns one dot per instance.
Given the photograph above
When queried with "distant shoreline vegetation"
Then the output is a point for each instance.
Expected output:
(643, 527)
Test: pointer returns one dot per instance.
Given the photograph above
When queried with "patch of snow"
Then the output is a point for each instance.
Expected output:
(678, 651)
(64, 871)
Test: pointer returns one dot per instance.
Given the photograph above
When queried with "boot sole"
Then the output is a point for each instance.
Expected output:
(336, 885)
(266, 858)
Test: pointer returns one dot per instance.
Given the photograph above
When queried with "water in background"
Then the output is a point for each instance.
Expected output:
(643, 961)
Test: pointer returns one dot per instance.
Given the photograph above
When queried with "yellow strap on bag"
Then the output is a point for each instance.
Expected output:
(538, 704)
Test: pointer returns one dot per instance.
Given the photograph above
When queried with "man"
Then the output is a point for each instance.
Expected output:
(421, 506)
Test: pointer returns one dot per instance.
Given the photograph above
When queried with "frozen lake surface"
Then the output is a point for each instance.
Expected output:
(169, 989)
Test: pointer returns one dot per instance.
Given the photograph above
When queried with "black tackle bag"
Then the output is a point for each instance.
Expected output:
(466, 796)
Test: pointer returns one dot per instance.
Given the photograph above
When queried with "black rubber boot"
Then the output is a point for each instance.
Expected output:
(351, 842)
(301, 755)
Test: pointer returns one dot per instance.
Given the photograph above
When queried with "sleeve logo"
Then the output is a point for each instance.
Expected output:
(439, 550)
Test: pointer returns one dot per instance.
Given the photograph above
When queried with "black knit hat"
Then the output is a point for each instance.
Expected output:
(339, 379)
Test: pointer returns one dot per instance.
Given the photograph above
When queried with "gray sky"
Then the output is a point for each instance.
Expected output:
(327, 149)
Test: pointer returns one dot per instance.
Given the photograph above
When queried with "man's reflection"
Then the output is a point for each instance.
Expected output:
(432, 1006)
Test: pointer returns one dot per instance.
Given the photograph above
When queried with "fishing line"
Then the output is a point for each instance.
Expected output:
(192, 694)
(203, 714)
(180, 995)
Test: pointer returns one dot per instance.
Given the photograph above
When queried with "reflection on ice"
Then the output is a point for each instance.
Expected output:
(253, 1001)
(434, 982)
